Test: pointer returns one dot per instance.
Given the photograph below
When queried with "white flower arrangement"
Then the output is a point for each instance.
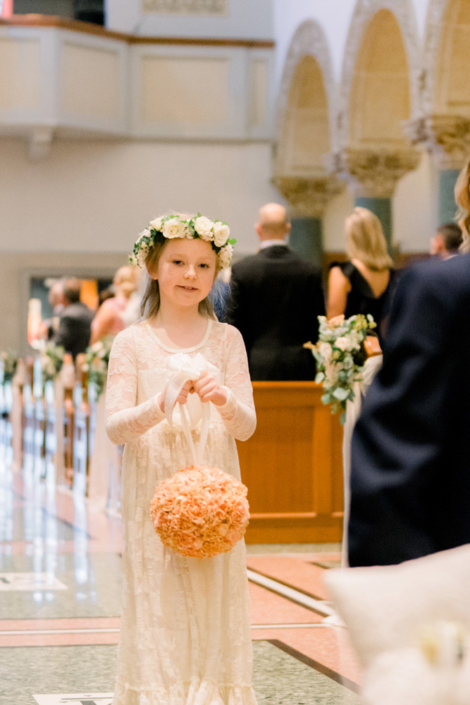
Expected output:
(9, 362)
(52, 359)
(97, 359)
(340, 358)
(168, 227)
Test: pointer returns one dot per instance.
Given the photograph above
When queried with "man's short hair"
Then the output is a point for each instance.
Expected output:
(452, 235)
(72, 289)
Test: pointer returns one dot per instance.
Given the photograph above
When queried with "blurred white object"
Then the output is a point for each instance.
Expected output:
(410, 626)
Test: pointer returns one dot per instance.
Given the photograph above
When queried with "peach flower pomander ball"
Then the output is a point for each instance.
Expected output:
(200, 511)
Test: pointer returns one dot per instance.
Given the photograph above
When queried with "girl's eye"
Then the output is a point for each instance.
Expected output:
(177, 261)
(204, 266)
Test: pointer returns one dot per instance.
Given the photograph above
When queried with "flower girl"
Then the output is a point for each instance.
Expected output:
(185, 634)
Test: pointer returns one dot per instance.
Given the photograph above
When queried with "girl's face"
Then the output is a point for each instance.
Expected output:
(186, 271)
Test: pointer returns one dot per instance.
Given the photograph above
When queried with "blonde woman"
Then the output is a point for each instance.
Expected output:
(361, 284)
(109, 318)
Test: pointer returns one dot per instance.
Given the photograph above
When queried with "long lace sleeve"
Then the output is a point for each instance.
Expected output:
(124, 420)
(238, 412)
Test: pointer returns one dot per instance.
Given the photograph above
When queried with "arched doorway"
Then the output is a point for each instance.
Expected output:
(445, 127)
(379, 94)
(305, 133)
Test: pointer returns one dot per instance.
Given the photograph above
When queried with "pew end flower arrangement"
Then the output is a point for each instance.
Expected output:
(9, 363)
(340, 356)
(96, 363)
(52, 359)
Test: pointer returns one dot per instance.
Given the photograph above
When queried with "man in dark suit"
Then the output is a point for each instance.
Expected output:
(410, 471)
(276, 298)
(75, 321)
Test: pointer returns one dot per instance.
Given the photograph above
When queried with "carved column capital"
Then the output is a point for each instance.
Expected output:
(374, 173)
(447, 137)
(308, 196)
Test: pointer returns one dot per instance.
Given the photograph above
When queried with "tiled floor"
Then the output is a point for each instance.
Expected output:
(60, 581)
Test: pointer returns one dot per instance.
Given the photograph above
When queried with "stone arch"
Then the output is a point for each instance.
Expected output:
(380, 78)
(306, 105)
(446, 89)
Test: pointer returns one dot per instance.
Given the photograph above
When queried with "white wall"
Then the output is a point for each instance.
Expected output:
(96, 196)
(83, 207)
(416, 207)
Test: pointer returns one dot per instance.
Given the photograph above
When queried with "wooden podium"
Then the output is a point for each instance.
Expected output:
(292, 466)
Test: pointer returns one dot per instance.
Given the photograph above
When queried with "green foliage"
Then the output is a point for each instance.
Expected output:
(52, 359)
(9, 361)
(340, 358)
(97, 359)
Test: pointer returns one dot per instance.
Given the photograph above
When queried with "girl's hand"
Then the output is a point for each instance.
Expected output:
(181, 399)
(209, 390)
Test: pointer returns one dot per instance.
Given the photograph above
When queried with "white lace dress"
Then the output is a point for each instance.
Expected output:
(185, 632)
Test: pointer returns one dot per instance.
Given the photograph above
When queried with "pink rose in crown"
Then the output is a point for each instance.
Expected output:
(200, 512)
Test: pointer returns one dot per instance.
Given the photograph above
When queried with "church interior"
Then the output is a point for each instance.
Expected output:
(112, 113)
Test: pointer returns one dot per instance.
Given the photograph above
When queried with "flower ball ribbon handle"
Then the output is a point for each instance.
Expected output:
(188, 369)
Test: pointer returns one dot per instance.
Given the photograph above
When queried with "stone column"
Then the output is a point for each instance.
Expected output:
(308, 198)
(447, 137)
(373, 175)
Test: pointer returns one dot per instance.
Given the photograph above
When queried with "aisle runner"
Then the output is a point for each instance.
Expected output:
(77, 699)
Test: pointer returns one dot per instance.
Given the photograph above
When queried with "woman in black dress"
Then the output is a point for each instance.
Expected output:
(362, 284)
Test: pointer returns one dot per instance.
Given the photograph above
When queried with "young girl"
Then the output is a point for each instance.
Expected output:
(185, 632)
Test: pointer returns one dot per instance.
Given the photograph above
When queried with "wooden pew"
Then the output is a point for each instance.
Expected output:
(292, 466)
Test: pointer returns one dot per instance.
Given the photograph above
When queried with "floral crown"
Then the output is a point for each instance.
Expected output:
(168, 227)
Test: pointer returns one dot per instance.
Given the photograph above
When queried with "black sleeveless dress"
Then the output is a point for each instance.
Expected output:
(361, 298)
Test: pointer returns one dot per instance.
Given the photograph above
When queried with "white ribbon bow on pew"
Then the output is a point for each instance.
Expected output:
(189, 369)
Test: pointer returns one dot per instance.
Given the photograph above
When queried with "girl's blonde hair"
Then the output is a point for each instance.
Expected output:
(462, 196)
(151, 301)
(366, 241)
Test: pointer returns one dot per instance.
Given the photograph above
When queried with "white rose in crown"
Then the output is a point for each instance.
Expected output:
(225, 256)
(204, 227)
(221, 233)
(173, 228)
(156, 224)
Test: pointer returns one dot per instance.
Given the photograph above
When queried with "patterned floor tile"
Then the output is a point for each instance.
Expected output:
(29, 673)
(93, 582)
(14, 582)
